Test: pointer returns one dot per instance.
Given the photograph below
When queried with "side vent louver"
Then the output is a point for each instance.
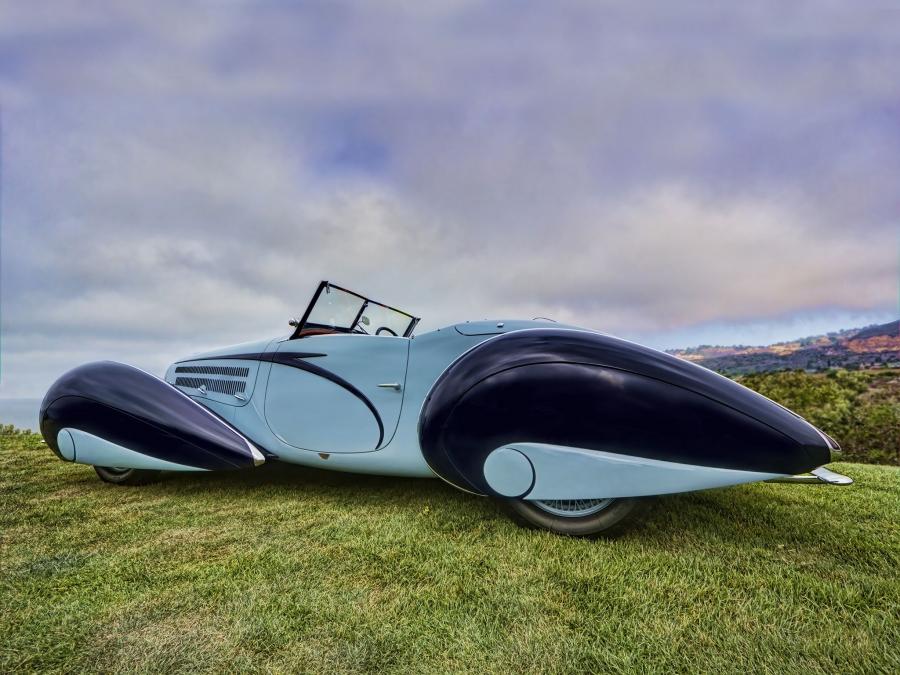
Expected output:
(231, 387)
(233, 371)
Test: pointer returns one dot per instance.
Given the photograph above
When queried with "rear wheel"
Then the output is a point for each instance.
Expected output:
(121, 476)
(574, 517)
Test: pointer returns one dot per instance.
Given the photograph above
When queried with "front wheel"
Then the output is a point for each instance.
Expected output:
(573, 517)
(121, 476)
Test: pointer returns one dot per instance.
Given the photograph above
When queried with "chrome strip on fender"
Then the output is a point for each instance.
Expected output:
(820, 476)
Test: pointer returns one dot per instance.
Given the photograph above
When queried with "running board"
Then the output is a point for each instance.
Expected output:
(816, 477)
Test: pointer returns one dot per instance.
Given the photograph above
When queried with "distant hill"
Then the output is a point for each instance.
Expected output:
(870, 347)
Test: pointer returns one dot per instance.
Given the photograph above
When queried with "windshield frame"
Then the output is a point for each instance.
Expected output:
(304, 322)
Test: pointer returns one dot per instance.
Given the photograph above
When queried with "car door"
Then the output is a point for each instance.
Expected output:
(337, 393)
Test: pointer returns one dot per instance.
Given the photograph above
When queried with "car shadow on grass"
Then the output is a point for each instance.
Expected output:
(743, 515)
(283, 477)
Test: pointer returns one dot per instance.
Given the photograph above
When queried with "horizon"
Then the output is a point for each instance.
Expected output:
(181, 178)
(667, 349)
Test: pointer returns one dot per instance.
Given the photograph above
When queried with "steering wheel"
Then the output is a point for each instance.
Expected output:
(386, 329)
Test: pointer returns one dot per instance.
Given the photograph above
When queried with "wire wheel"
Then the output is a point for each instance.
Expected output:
(573, 517)
(573, 508)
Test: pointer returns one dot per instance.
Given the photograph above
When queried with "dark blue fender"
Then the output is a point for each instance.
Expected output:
(134, 410)
(586, 390)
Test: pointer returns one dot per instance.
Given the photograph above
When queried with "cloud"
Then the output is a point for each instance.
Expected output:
(181, 175)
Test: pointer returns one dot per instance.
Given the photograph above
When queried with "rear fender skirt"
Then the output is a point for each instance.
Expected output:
(140, 413)
(84, 448)
(543, 471)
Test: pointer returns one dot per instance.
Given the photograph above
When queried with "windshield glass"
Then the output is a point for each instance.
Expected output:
(336, 310)
(380, 320)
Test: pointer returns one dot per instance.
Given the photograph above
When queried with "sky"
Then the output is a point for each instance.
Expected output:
(176, 176)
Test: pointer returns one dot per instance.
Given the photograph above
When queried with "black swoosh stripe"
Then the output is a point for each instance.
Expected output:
(296, 361)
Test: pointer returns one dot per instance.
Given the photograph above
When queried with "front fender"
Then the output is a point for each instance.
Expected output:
(135, 420)
(576, 389)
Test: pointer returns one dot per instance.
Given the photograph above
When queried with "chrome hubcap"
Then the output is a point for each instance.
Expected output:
(573, 508)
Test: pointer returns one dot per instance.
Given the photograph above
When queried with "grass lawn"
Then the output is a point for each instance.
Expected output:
(289, 569)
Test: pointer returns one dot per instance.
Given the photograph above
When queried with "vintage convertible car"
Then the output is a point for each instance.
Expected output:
(568, 426)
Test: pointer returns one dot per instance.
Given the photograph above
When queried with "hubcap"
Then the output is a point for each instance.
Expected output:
(573, 508)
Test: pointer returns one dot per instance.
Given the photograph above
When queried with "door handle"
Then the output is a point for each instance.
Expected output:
(391, 385)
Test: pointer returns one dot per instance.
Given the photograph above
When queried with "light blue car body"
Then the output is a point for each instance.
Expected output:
(333, 429)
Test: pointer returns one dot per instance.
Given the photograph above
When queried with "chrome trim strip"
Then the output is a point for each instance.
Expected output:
(820, 476)
(258, 457)
(831, 477)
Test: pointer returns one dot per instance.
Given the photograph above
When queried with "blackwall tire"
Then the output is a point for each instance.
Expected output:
(118, 476)
(606, 521)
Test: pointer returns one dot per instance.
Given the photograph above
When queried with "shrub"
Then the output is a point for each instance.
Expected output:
(10, 430)
(860, 408)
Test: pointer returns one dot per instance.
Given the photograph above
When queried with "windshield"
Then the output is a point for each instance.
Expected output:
(336, 310)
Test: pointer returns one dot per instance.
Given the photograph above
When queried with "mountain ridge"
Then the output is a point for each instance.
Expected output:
(873, 346)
